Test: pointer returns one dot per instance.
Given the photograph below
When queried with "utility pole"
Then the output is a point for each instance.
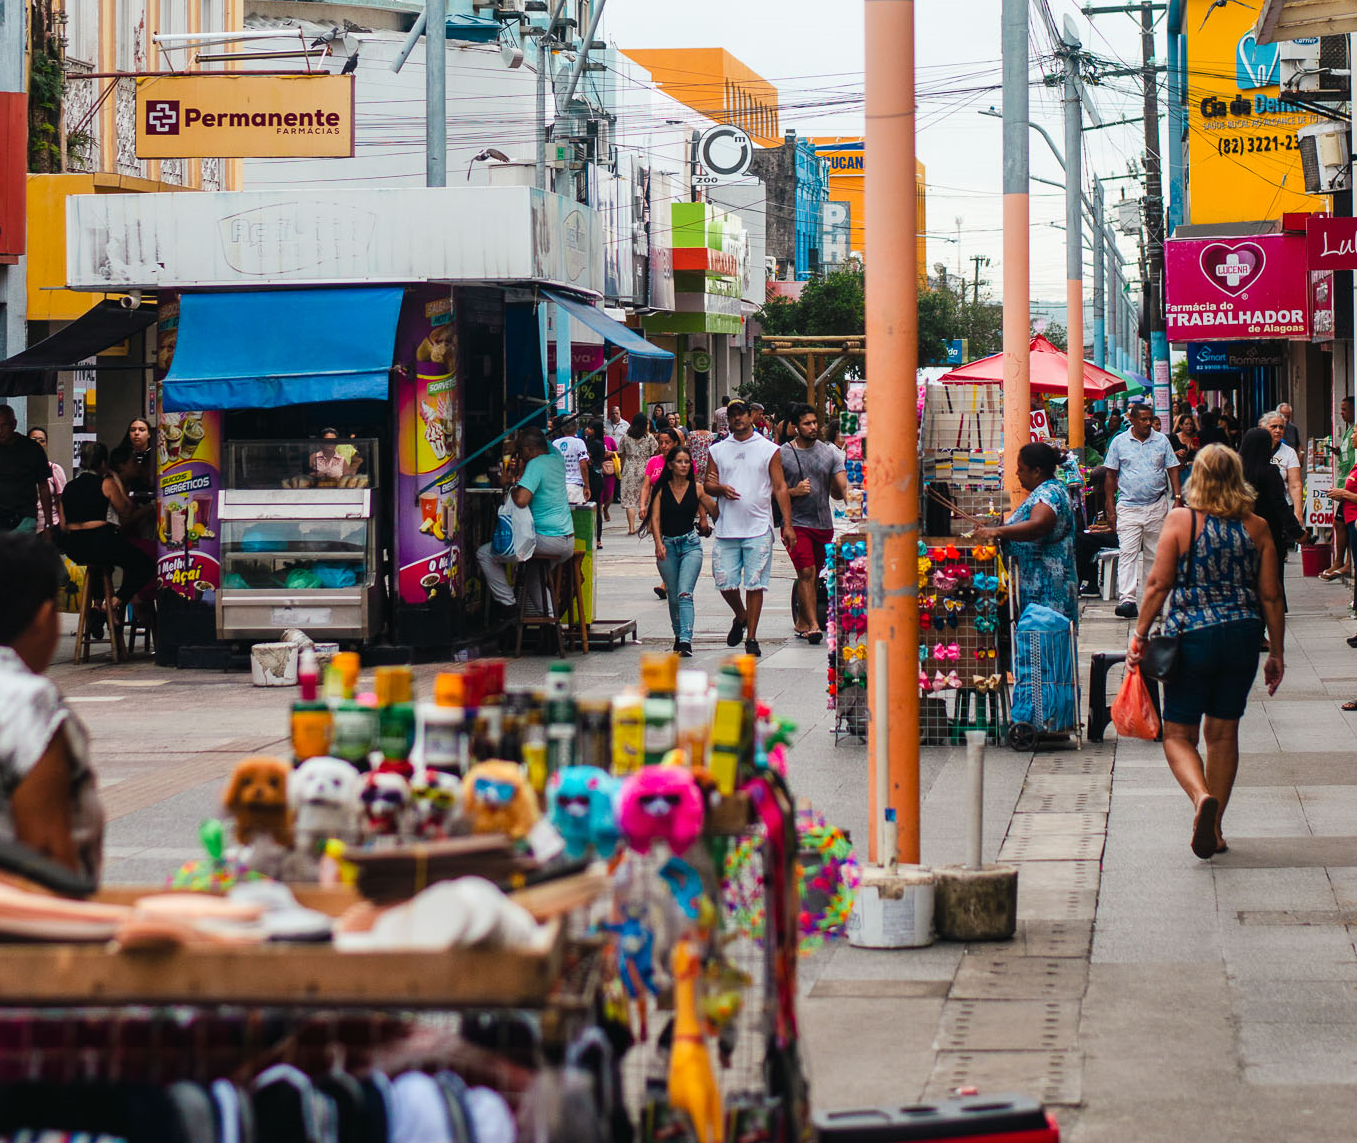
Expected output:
(1017, 298)
(979, 260)
(1099, 280)
(1153, 286)
(1074, 243)
(892, 356)
(436, 93)
(543, 56)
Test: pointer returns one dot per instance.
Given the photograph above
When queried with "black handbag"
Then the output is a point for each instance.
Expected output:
(1159, 661)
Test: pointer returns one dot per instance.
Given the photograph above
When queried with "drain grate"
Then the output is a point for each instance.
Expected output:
(1056, 824)
(1058, 938)
(1052, 904)
(1053, 1078)
(1017, 1025)
(1020, 978)
(1082, 764)
(1060, 847)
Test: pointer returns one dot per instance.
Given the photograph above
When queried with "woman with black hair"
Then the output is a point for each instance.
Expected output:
(1255, 450)
(678, 519)
(1039, 535)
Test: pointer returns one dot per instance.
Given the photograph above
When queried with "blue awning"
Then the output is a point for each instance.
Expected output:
(267, 348)
(645, 362)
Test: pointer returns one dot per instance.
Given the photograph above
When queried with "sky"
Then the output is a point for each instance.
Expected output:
(812, 50)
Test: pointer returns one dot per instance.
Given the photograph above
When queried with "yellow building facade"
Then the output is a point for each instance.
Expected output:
(714, 83)
(846, 211)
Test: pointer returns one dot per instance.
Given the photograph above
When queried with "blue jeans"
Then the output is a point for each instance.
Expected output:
(680, 569)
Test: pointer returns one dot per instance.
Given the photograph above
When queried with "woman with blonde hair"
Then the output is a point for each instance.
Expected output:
(1217, 568)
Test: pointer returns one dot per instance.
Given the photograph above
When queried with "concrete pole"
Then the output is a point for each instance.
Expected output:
(1074, 245)
(582, 57)
(436, 93)
(892, 356)
(541, 180)
(1017, 299)
(1099, 279)
(1154, 225)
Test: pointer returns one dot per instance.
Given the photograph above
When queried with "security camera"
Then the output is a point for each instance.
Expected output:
(130, 300)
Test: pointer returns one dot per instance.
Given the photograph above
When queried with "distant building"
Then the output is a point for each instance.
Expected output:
(845, 218)
(798, 188)
(714, 83)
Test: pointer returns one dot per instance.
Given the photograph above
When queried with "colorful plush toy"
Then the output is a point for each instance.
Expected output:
(325, 796)
(660, 803)
(256, 797)
(498, 799)
(635, 954)
(386, 804)
(580, 801)
(437, 799)
(692, 1085)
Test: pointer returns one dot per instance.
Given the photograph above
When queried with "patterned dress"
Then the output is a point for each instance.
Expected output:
(634, 455)
(1045, 567)
(1224, 583)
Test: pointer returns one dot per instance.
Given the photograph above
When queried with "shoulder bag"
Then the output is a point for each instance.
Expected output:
(777, 512)
(1160, 660)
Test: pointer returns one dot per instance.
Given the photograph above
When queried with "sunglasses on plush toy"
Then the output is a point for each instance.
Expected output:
(494, 793)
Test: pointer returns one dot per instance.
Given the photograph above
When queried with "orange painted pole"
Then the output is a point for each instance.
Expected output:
(1017, 300)
(1074, 305)
(893, 452)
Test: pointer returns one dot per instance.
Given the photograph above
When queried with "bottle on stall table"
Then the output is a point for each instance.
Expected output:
(355, 733)
(440, 727)
(560, 717)
(659, 677)
(491, 706)
(732, 730)
(395, 713)
(516, 705)
(693, 715)
(535, 745)
(312, 719)
(334, 686)
(594, 719)
(629, 732)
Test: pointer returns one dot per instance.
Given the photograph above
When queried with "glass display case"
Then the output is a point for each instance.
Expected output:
(302, 464)
(298, 549)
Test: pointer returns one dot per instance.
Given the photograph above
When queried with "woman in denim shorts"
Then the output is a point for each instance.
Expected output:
(1217, 567)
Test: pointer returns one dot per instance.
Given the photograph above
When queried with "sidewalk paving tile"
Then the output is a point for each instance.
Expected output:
(1052, 1077)
(1298, 1053)
(1016, 1025)
(1008, 977)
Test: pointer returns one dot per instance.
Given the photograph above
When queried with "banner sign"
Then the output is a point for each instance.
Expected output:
(243, 116)
(1330, 243)
(1207, 357)
(1236, 288)
(1038, 425)
(1318, 507)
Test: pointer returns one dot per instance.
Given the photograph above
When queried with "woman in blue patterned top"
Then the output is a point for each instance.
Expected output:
(1039, 536)
(1217, 568)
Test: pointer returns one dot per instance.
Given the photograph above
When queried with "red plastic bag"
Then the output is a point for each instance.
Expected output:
(1132, 712)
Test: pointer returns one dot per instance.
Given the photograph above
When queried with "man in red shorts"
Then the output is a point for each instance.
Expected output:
(814, 471)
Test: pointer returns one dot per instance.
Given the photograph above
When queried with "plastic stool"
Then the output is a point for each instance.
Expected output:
(1107, 572)
(1099, 713)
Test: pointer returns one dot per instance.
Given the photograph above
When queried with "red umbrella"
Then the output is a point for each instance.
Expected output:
(1049, 372)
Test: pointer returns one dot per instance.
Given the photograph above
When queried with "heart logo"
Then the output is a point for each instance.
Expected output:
(1255, 64)
(1232, 269)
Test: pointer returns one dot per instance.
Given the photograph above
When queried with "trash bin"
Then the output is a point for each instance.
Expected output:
(1314, 558)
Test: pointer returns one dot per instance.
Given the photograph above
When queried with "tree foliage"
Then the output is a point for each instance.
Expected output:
(952, 308)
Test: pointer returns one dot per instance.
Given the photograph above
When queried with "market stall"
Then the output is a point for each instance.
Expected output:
(596, 900)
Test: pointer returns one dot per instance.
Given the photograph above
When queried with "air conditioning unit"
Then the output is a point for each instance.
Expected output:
(1314, 63)
(770, 267)
(1325, 157)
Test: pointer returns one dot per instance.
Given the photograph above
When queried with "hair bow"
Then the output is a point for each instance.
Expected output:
(986, 582)
(925, 564)
(985, 653)
(986, 623)
(951, 552)
(938, 554)
(928, 603)
(854, 652)
(923, 548)
(983, 552)
(946, 651)
(985, 684)
(941, 681)
(962, 573)
(944, 582)
(923, 680)
(925, 620)
(986, 605)
(954, 604)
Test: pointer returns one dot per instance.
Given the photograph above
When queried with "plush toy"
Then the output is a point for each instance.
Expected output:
(692, 1086)
(437, 797)
(325, 795)
(581, 805)
(660, 803)
(635, 954)
(256, 797)
(386, 804)
(498, 799)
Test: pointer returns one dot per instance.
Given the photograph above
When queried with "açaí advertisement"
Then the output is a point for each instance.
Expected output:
(188, 470)
(429, 444)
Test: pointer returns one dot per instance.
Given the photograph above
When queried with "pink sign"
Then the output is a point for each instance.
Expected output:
(1225, 289)
(1331, 243)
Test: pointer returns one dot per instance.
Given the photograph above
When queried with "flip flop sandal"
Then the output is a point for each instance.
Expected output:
(1204, 828)
(1350, 705)
(800, 634)
(1329, 574)
(814, 637)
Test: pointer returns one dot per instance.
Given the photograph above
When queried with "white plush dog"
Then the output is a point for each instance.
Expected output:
(325, 795)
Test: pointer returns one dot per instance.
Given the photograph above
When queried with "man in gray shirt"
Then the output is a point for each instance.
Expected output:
(814, 471)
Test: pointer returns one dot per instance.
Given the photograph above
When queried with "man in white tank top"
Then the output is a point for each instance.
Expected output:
(744, 471)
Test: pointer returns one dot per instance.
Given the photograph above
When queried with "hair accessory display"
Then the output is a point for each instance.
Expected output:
(954, 604)
(946, 651)
(986, 684)
(925, 620)
(983, 552)
(986, 582)
(944, 582)
(985, 653)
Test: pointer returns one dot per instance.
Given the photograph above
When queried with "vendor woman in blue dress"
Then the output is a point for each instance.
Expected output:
(1039, 536)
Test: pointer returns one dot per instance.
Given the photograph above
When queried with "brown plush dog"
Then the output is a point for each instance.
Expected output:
(257, 798)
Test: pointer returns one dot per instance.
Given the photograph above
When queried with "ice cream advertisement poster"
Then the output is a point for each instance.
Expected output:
(188, 469)
(429, 444)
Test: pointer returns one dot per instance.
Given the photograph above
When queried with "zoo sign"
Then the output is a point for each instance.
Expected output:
(724, 153)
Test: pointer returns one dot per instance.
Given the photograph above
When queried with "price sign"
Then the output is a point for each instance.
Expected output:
(1040, 426)
(1318, 507)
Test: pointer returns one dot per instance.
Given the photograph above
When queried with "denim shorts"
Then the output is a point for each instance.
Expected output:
(750, 559)
(1216, 667)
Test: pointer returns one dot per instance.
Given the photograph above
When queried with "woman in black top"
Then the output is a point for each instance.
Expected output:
(597, 452)
(678, 520)
(1255, 450)
(1182, 439)
(88, 537)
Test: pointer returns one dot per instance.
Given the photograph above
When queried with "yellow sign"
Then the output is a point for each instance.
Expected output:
(243, 116)
(1243, 153)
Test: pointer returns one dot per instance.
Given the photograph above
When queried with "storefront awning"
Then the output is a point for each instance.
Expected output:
(645, 362)
(267, 348)
(32, 371)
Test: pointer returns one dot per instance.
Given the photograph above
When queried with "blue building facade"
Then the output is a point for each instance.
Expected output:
(812, 192)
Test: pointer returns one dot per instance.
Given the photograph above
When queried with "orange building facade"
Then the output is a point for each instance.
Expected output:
(714, 83)
(845, 230)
